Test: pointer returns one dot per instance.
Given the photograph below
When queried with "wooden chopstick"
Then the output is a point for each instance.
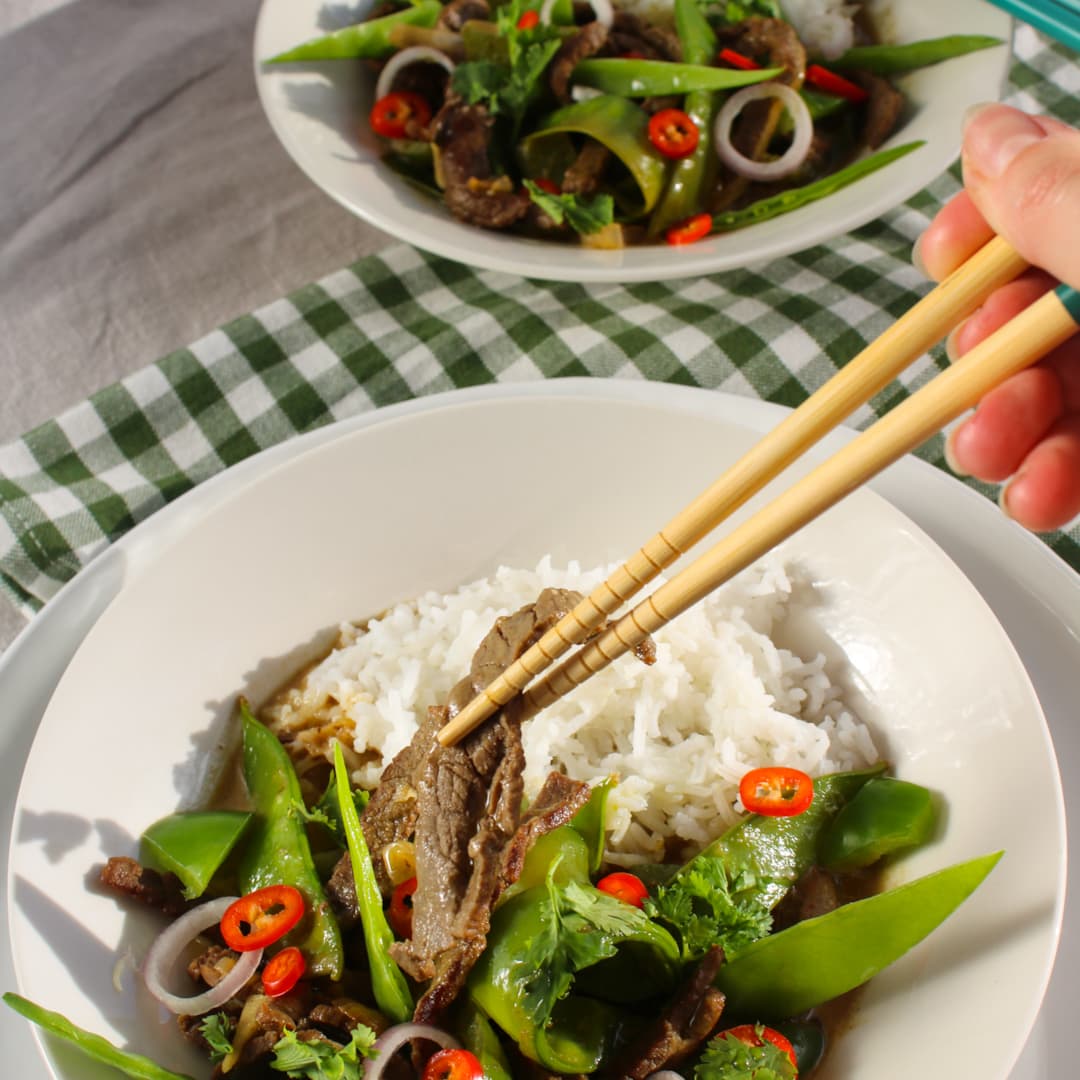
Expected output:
(1031, 335)
(875, 367)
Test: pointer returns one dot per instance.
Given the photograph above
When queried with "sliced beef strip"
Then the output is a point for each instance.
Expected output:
(631, 34)
(583, 175)
(474, 194)
(680, 1030)
(456, 13)
(160, 891)
(882, 110)
(555, 804)
(469, 803)
(390, 816)
(588, 41)
(815, 893)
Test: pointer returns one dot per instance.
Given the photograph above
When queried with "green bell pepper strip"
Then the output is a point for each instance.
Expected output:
(520, 998)
(590, 822)
(691, 175)
(895, 59)
(650, 78)
(531, 999)
(387, 982)
(622, 127)
(94, 1046)
(562, 853)
(795, 198)
(817, 960)
(478, 1036)
(886, 815)
(776, 851)
(362, 41)
(193, 845)
(277, 852)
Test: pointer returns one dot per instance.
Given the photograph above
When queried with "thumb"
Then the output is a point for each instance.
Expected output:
(1023, 173)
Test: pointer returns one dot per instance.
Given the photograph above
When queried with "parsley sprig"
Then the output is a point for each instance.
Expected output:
(583, 215)
(728, 1058)
(706, 907)
(318, 1060)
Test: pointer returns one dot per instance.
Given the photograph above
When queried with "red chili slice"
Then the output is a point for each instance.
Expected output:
(453, 1065)
(399, 914)
(831, 83)
(544, 184)
(756, 1034)
(528, 20)
(776, 791)
(283, 972)
(690, 231)
(737, 60)
(392, 114)
(673, 133)
(628, 888)
(262, 917)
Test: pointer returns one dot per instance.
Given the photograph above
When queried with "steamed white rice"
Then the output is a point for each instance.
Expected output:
(720, 699)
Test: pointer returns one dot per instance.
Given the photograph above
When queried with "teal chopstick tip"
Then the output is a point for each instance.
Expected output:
(1058, 18)
(1070, 297)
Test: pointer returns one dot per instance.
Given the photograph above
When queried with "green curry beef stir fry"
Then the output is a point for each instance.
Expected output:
(581, 121)
(441, 927)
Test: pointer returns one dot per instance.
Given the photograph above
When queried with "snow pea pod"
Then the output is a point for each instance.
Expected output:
(387, 982)
(94, 1046)
(887, 815)
(622, 127)
(193, 845)
(795, 198)
(776, 851)
(277, 851)
(649, 78)
(819, 959)
(895, 59)
(691, 175)
(363, 41)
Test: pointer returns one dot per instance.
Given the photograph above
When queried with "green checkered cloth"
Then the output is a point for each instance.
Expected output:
(402, 324)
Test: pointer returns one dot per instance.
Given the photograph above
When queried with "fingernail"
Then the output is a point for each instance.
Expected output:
(950, 460)
(916, 256)
(1003, 133)
(1003, 496)
(972, 111)
(952, 353)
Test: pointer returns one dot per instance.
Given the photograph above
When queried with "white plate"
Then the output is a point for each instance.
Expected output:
(34, 663)
(319, 111)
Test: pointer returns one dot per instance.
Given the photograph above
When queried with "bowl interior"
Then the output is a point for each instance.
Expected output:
(428, 500)
(319, 113)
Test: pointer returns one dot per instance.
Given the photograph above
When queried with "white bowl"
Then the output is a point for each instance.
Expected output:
(319, 113)
(383, 509)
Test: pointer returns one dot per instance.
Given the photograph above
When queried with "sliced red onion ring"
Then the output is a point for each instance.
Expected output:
(795, 154)
(414, 54)
(172, 941)
(393, 1039)
(602, 9)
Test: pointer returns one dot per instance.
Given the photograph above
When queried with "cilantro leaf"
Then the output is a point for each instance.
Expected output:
(319, 1060)
(729, 1058)
(703, 904)
(327, 813)
(215, 1029)
(508, 90)
(581, 214)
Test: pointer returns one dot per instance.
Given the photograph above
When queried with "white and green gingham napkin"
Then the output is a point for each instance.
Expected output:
(402, 324)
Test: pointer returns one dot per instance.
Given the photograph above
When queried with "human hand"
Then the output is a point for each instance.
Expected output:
(1021, 181)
